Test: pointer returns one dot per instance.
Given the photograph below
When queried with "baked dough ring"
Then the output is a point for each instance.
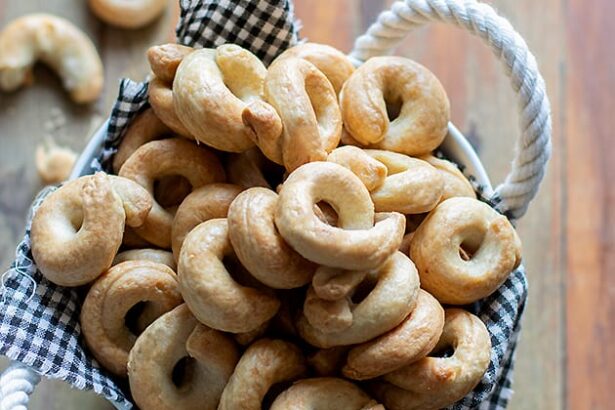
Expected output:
(158, 159)
(211, 90)
(175, 336)
(328, 362)
(357, 244)
(59, 44)
(455, 183)
(334, 64)
(111, 297)
(78, 229)
(258, 244)
(410, 341)
(423, 117)
(437, 382)
(209, 290)
(208, 202)
(152, 255)
(386, 306)
(160, 97)
(487, 236)
(412, 186)
(265, 363)
(333, 284)
(165, 58)
(247, 169)
(370, 171)
(323, 393)
(308, 110)
(128, 13)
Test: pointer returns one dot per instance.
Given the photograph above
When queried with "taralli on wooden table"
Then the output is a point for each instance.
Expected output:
(54, 163)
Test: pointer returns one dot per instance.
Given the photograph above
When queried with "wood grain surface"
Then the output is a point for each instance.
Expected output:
(565, 357)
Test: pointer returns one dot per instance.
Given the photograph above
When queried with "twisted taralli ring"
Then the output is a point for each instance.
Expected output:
(357, 244)
(265, 363)
(104, 311)
(78, 229)
(177, 337)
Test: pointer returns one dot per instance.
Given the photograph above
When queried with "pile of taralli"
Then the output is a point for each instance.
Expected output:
(288, 240)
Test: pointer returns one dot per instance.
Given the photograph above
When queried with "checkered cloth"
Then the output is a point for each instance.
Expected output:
(39, 321)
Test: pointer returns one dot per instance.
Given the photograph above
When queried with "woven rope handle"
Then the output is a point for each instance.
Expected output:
(16, 384)
(533, 148)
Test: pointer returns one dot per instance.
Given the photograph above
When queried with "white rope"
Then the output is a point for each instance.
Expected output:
(533, 149)
(17, 382)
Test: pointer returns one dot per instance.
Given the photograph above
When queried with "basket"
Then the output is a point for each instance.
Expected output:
(501, 311)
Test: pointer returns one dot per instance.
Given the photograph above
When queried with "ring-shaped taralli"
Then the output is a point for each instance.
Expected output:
(410, 341)
(401, 84)
(165, 58)
(455, 183)
(485, 236)
(59, 44)
(208, 202)
(386, 306)
(214, 297)
(78, 229)
(370, 171)
(158, 159)
(334, 64)
(111, 297)
(265, 363)
(437, 382)
(160, 97)
(308, 110)
(127, 13)
(174, 336)
(211, 90)
(323, 393)
(334, 284)
(258, 244)
(357, 244)
(412, 186)
(147, 254)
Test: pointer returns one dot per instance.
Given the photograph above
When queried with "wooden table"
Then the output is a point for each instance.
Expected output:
(566, 355)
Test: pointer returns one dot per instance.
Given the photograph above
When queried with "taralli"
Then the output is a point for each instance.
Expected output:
(54, 163)
(158, 159)
(209, 357)
(164, 60)
(326, 393)
(160, 97)
(405, 243)
(214, 297)
(104, 311)
(385, 306)
(436, 382)
(488, 239)
(398, 87)
(328, 362)
(410, 341)
(258, 244)
(308, 111)
(357, 243)
(152, 255)
(370, 171)
(247, 169)
(334, 64)
(57, 43)
(333, 283)
(211, 90)
(78, 229)
(208, 202)
(265, 363)
(127, 13)
(247, 338)
(455, 184)
(328, 316)
(412, 186)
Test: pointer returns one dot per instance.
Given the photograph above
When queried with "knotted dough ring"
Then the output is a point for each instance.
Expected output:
(357, 244)
(472, 228)
(111, 297)
(211, 90)
(78, 229)
(258, 244)
(265, 363)
(410, 341)
(309, 125)
(395, 83)
(412, 186)
(324, 393)
(386, 306)
(214, 297)
(370, 171)
(128, 14)
(210, 357)
(436, 382)
(158, 159)
(57, 43)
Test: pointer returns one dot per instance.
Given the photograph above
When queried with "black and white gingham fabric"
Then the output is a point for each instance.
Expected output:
(39, 321)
